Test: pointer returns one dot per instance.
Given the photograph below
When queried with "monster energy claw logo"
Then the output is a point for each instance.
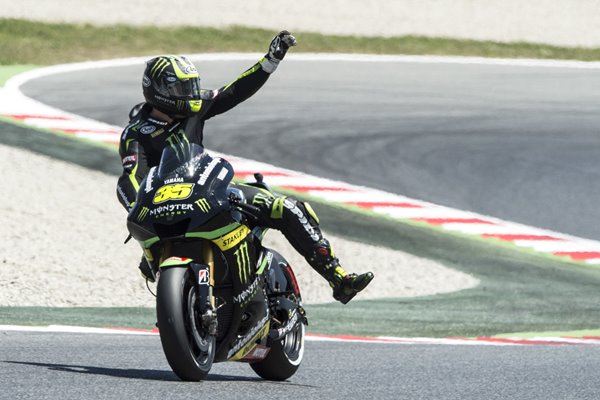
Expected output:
(243, 262)
(159, 67)
(203, 205)
(142, 215)
(179, 141)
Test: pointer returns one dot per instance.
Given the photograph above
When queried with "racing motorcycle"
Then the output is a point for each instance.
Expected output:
(221, 295)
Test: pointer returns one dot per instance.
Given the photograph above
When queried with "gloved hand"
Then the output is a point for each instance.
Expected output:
(279, 46)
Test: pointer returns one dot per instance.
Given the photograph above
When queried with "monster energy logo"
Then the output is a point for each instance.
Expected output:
(142, 215)
(177, 144)
(203, 205)
(262, 199)
(159, 67)
(243, 262)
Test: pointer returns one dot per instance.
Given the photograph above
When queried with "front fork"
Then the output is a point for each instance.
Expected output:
(204, 278)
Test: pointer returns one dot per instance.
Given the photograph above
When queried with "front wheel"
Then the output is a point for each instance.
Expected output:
(188, 347)
(284, 358)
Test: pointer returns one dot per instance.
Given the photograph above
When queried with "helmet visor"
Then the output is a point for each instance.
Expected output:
(189, 88)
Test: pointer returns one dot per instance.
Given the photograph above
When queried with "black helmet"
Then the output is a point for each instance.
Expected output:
(172, 85)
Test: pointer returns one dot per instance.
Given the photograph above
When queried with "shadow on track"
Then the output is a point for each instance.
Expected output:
(148, 374)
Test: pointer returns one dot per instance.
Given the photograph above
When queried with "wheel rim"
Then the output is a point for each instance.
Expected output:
(293, 344)
(201, 342)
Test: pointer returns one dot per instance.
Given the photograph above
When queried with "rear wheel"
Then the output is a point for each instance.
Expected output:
(284, 358)
(188, 347)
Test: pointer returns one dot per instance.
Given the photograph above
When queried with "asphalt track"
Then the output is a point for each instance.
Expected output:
(514, 142)
(74, 366)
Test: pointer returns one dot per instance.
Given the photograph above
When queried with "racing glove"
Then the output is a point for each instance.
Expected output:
(279, 46)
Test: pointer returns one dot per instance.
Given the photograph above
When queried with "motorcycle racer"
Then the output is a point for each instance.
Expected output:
(175, 110)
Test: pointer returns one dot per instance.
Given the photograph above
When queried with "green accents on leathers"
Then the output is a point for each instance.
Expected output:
(250, 71)
(133, 179)
(178, 141)
(277, 208)
(311, 212)
(195, 105)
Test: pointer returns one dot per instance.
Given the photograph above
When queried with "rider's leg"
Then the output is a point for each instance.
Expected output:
(300, 225)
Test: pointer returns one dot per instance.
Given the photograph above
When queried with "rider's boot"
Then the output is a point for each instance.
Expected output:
(345, 285)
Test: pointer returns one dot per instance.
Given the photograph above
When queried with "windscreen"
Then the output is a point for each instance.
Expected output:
(180, 159)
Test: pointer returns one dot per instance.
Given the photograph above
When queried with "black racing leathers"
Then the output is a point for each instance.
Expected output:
(145, 137)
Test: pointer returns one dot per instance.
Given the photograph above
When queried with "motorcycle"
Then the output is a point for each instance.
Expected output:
(220, 295)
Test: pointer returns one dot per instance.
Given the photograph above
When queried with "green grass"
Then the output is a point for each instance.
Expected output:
(7, 71)
(27, 42)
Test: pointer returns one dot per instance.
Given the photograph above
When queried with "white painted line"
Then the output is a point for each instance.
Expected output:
(73, 329)
(433, 212)
(100, 137)
(497, 229)
(551, 246)
(67, 124)
(480, 341)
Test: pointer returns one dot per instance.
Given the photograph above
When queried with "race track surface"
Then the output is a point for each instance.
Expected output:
(518, 143)
(74, 366)
(514, 142)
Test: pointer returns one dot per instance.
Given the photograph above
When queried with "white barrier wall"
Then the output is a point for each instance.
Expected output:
(559, 22)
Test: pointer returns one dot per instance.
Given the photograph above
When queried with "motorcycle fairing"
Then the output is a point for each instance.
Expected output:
(183, 193)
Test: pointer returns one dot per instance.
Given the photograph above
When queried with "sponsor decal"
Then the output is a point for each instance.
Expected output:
(243, 262)
(189, 69)
(262, 199)
(290, 205)
(222, 174)
(178, 191)
(123, 196)
(174, 180)
(157, 122)
(203, 205)
(143, 214)
(264, 263)
(204, 277)
(230, 240)
(289, 325)
(171, 209)
(146, 81)
(164, 99)
(158, 132)
(129, 159)
(247, 294)
(260, 330)
(171, 79)
(148, 129)
(149, 179)
(257, 354)
(209, 168)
